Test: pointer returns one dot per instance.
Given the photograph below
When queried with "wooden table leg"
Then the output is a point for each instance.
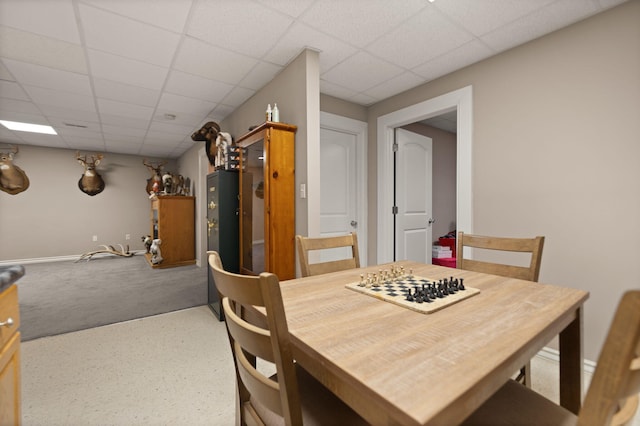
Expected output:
(571, 361)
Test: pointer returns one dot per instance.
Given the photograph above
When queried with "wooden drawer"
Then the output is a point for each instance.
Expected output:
(9, 309)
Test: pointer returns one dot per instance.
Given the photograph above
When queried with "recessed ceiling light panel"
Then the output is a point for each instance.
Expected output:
(28, 127)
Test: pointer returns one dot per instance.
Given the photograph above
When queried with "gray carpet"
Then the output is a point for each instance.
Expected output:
(60, 297)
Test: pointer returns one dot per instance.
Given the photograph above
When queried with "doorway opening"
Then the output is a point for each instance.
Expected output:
(459, 100)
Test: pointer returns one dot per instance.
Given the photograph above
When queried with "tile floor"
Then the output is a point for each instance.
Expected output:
(170, 369)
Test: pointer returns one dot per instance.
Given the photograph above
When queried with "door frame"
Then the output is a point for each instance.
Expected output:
(460, 100)
(359, 130)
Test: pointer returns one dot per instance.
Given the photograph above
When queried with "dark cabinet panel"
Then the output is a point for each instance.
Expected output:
(222, 227)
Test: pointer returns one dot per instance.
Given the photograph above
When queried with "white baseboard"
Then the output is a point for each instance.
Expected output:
(553, 355)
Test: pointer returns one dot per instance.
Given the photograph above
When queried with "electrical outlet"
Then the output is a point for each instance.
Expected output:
(95, 238)
(127, 236)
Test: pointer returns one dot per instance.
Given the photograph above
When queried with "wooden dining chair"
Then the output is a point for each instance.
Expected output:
(530, 273)
(291, 396)
(307, 244)
(612, 398)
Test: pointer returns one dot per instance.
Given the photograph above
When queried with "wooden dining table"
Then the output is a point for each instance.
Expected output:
(397, 366)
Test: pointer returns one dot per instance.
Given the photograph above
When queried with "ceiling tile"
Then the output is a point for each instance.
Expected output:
(170, 128)
(238, 26)
(335, 90)
(542, 21)
(122, 121)
(35, 49)
(260, 75)
(84, 144)
(182, 119)
(41, 139)
(197, 87)
(360, 22)
(301, 36)
(4, 72)
(123, 139)
(199, 58)
(116, 91)
(70, 100)
(107, 106)
(467, 54)
(404, 81)
(69, 114)
(128, 71)
(54, 19)
(169, 14)
(74, 127)
(480, 17)
(12, 90)
(18, 105)
(124, 131)
(362, 71)
(182, 104)
(363, 99)
(218, 114)
(40, 76)
(237, 96)
(293, 8)
(423, 37)
(8, 137)
(111, 33)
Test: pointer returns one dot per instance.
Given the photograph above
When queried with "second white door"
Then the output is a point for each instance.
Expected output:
(413, 197)
(338, 205)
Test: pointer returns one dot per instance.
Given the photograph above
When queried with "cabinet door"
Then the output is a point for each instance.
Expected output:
(280, 225)
(267, 200)
(10, 382)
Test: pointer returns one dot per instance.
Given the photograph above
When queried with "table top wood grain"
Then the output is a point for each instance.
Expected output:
(397, 366)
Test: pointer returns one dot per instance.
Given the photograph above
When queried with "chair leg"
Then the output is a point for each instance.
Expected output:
(524, 377)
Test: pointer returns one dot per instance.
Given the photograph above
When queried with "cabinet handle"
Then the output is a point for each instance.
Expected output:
(7, 323)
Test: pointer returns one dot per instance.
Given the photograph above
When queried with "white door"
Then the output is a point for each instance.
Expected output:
(338, 203)
(413, 197)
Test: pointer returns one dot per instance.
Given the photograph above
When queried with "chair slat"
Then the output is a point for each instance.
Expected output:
(252, 336)
(308, 244)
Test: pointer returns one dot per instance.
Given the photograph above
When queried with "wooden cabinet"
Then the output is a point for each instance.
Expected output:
(9, 357)
(172, 221)
(222, 227)
(267, 200)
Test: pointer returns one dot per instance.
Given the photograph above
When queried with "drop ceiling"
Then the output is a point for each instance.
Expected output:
(139, 76)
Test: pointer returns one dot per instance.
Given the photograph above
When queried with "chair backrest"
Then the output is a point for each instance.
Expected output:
(251, 340)
(307, 244)
(612, 397)
(524, 245)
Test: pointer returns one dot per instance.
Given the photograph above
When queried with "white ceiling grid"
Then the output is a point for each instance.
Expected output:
(111, 75)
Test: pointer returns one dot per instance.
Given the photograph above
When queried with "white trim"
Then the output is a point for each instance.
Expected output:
(460, 100)
(359, 130)
(201, 206)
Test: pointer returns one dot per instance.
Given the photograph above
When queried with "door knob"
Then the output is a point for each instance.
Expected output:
(7, 323)
(431, 221)
(354, 223)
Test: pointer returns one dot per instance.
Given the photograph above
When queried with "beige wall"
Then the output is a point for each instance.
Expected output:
(343, 108)
(555, 152)
(296, 91)
(54, 218)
